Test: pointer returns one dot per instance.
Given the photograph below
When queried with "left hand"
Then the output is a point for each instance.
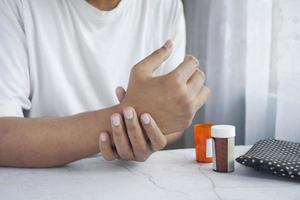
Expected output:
(130, 142)
(133, 140)
(128, 135)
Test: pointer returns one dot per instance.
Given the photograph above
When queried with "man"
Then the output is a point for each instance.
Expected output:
(60, 62)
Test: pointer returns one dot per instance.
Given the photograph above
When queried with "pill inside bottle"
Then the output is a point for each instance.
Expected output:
(223, 137)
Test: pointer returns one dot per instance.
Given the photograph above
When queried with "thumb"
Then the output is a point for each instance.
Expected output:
(154, 60)
(120, 93)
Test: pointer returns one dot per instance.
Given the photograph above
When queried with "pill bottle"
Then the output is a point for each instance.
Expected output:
(203, 142)
(223, 137)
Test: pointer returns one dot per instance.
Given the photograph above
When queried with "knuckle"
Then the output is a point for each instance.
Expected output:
(132, 127)
(175, 80)
(159, 145)
(205, 93)
(186, 102)
(126, 156)
(182, 102)
(141, 150)
(134, 69)
(178, 80)
(181, 90)
(192, 59)
(201, 76)
(160, 53)
(189, 102)
(178, 84)
(136, 73)
(207, 90)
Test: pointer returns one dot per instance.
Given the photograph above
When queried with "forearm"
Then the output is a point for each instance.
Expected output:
(47, 142)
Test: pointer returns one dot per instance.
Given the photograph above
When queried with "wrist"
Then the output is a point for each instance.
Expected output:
(102, 118)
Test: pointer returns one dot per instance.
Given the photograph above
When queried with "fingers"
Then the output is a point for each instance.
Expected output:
(202, 97)
(120, 93)
(153, 61)
(157, 139)
(173, 137)
(130, 142)
(106, 149)
(186, 69)
(196, 82)
(120, 137)
(138, 142)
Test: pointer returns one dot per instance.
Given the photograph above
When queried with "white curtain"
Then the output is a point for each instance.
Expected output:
(273, 91)
(251, 56)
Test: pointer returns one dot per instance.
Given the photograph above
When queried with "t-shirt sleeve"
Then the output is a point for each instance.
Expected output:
(14, 74)
(177, 33)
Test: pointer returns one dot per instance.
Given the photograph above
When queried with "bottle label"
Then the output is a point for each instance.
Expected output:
(209, 148)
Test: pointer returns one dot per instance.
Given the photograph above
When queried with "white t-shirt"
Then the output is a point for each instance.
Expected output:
(62, 57)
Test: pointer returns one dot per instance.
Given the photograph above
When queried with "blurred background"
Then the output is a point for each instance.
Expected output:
(250, 51)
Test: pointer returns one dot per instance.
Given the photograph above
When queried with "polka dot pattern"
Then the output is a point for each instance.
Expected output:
(278, 157)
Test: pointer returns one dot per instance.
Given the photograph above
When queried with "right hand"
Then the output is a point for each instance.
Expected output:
(171, 99)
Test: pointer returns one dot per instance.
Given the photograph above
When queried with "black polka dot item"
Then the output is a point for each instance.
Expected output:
(278, 157)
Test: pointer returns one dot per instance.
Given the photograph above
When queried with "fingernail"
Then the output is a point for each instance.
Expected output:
(145, 119)
(115, 120)
(103, 137)
(168, 44)
(128, 113)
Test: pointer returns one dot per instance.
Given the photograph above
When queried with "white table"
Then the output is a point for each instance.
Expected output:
(166, 175)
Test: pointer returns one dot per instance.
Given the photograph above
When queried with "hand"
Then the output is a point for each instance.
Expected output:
(130, 141)
(131, 144)
(136, 147)
(171, 138)
(172, 99)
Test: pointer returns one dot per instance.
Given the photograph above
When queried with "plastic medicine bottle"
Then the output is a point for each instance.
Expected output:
(223, 148)
(203, 142)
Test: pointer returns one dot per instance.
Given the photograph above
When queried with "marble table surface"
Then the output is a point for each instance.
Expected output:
(172, 174)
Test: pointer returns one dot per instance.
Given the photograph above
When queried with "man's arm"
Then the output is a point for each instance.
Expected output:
(57, 141)
(48, 142)
(53, 142)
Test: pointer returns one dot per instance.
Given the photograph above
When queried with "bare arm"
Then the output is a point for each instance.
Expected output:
(47, 142)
